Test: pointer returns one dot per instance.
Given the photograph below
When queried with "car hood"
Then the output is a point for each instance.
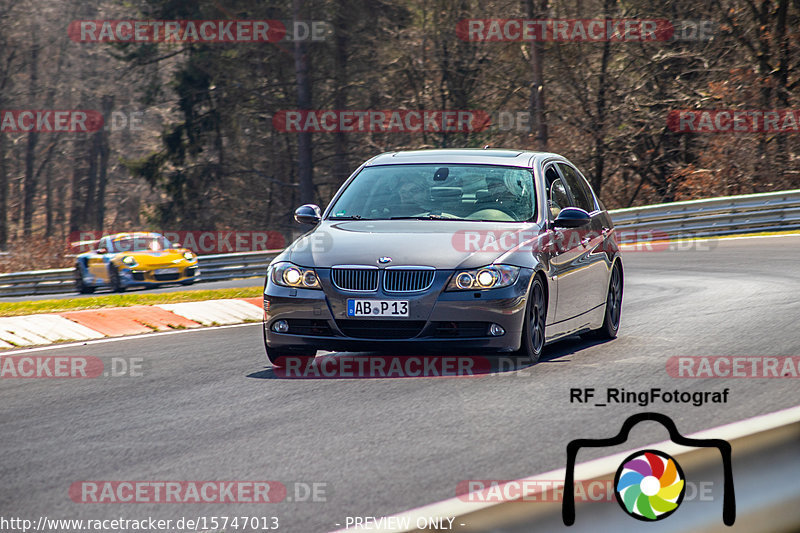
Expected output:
(165, 258)
(437, 243)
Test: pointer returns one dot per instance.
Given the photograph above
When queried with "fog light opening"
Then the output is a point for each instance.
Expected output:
(496, 330)
(280, 326)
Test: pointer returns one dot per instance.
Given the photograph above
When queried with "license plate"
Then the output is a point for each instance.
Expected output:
(160, 271)
(378, 308)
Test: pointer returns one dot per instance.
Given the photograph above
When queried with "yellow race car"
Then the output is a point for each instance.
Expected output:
(134, 259)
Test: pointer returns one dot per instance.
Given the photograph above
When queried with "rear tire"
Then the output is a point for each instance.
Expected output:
(80, 286)
(532, 342)
(613, 312)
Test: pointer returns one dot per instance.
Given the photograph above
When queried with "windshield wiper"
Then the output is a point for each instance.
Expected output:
(350, 217)
(426, 217)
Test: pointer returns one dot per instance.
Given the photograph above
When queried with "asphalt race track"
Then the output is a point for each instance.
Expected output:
(208, 407)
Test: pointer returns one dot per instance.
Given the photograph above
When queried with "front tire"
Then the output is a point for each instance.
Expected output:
(277, 356)
(532, 342)
(114, 279)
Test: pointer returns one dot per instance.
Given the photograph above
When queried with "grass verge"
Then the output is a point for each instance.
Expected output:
(123, 300)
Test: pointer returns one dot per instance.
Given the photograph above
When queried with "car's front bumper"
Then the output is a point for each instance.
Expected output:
(137, 276)
(437, 319)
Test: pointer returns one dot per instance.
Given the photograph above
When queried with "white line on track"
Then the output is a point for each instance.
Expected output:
(742, 237)
(704, 239)
(117, 339)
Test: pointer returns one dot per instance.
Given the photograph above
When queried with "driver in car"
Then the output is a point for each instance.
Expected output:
(413, 199)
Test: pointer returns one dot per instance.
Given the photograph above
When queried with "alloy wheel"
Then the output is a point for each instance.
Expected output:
(614, 302)
(537, 316)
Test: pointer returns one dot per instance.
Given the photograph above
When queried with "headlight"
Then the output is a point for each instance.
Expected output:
(128, 260)
(189, 256)
(490, 277)
(291, 275)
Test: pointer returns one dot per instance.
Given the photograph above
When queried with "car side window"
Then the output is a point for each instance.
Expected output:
(557, 197)
(578, 188)
(584, 184)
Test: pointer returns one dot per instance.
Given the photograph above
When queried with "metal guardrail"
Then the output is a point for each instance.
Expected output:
(212, 268)
(730, 215)
(54, 281)
(751, 213)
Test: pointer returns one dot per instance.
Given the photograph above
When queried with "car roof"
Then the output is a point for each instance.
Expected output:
(136, 235)
(505, 157)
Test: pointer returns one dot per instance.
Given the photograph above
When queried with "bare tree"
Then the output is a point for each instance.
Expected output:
(305, 168)
(33, 138)
(537, 9)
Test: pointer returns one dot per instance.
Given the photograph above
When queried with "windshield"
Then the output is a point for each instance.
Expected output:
(141, 244)
(454, 192)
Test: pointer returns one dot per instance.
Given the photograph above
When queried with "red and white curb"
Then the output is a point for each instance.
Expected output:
(222, 312)
(89, 324)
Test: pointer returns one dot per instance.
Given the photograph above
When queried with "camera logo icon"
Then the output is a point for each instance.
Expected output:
(649, 485)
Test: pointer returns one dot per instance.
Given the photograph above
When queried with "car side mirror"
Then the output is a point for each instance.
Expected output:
(308, 214)
(572, 217)
(102, 250)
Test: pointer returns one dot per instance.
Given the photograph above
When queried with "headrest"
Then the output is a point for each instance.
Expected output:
(445, 193)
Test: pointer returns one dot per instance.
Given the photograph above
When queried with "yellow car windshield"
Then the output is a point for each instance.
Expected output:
(141, 244)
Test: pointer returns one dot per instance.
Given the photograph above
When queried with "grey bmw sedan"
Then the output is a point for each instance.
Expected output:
(463, 250)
